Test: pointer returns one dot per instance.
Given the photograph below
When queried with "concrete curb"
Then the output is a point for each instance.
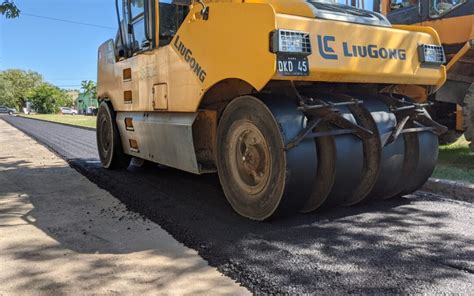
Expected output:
(61, 123)
(451, 189)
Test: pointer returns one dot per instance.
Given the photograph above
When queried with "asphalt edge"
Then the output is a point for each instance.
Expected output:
(450, 189)
(51, 149)
(225, 268)
(60, 123)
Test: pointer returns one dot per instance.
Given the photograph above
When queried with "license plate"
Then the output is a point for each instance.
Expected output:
(293, 66)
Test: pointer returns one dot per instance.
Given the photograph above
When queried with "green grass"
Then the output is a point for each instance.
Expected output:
(79, 120)
(456, 162)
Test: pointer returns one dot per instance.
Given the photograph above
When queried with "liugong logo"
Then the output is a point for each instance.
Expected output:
(326, 50)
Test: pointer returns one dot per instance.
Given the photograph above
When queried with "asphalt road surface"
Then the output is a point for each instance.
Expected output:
(62, 235)
(415, 244)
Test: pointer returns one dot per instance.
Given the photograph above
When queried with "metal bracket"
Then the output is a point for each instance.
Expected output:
(418, 129)
(303, 133)
(326, 104)
(436, 128)
(397, 131)
(406, 111)
(333, 117)
(325, 111)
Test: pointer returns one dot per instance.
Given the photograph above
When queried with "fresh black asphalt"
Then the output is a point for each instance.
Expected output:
(415, 244)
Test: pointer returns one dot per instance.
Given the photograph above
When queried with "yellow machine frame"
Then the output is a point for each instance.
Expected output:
(229, 46)
(295, 104)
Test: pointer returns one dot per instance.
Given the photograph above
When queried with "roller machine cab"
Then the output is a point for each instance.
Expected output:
(293, 103)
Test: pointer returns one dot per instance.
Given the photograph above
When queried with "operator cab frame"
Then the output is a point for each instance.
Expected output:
(146, 25)
(417, 11)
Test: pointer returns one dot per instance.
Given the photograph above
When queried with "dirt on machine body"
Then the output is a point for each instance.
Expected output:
(293, 103)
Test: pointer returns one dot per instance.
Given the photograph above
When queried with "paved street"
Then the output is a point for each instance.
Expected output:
(415, 244)
(60, 233)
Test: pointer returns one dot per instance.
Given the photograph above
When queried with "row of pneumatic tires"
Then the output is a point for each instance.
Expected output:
(262, 177)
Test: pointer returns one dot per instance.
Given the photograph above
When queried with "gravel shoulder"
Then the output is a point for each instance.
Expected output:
(61, 234)
(415, 244)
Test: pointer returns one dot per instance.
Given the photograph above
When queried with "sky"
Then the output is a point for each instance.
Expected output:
(64, 53)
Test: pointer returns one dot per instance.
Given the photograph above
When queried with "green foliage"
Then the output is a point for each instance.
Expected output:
(47, 98)
(19, 86)
(9, 9)
(16, 86)
(456, 162)
(89, 87)
(68, 100)
(6, 94)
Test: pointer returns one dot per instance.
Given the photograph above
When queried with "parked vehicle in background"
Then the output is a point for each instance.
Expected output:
(28, 108)
(92, 111)
(6, 110)
(68, 111)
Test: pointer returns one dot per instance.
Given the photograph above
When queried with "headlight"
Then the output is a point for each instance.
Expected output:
(431, 55)
(290, 42)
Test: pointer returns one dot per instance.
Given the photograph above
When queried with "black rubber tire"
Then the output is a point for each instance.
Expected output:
(109, 144)
(356, 169)
(10, 113)
(390, 180)
(468, 112)
(423, 150)
(288, 181)
(349, 165)
(372, 156)
(427, 158)
(326, 171)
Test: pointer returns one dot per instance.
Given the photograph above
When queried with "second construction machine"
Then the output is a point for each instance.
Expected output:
(454, 21)
(291, 102)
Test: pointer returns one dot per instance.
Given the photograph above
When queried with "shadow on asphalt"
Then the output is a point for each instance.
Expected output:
(80, 220)
(392, 246)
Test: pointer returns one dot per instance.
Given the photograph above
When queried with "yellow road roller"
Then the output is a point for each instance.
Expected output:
(296, 104)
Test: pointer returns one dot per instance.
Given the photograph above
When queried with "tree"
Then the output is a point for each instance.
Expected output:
(9, 9)
(6, 94)
(16, 85)
(47, 98)
(90, 89)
